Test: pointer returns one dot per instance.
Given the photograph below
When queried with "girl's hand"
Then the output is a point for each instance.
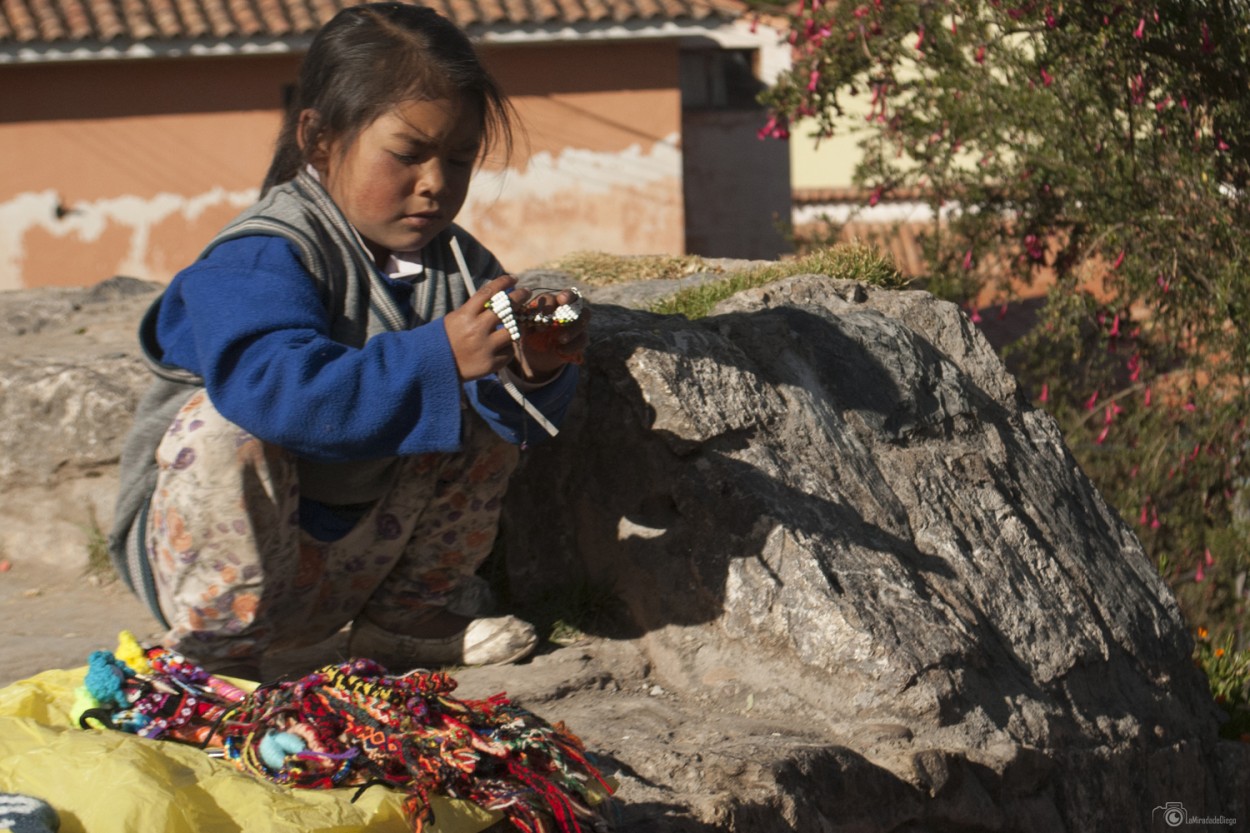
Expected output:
(478, 344)
(551, 350)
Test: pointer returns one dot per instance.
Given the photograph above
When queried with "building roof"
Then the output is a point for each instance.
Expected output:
(71, 23)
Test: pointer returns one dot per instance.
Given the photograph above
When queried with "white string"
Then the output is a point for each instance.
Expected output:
(464, 267)
(512, 389)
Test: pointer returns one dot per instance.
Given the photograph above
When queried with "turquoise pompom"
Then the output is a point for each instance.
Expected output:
(105, 675)
(275, 746)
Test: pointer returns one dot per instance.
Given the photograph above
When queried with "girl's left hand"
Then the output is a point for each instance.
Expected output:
(547, 351)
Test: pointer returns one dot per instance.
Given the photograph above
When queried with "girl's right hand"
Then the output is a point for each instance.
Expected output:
(478, 344)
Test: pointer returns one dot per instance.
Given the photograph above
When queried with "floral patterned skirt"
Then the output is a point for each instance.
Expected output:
(237, 577)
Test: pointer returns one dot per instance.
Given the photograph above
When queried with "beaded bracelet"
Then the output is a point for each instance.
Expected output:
(501, 305)
(563, 316)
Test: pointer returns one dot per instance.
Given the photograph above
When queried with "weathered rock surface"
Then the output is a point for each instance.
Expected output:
(829, 504)
(863, 585)
(70, 376)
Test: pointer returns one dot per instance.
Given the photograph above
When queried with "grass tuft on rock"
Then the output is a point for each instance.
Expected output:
(850, 261)
(599, 269)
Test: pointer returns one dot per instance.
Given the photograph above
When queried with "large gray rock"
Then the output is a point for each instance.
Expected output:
(831, 505)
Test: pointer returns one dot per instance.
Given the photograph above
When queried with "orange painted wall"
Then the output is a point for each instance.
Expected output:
(129, 167)
(600, 164)
(145, 160)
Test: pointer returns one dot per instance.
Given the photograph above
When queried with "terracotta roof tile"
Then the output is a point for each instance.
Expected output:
(108, 24)
(519, 11)
(300, 16)
(138, 23)
(569, 11)
(77, 20)
(273, 17)
(19, 20)
(246, 21)
(191, 15)
(545, 10)
(35, 22)
(165, 18)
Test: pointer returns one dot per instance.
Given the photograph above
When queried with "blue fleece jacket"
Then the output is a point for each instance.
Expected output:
(248, 319)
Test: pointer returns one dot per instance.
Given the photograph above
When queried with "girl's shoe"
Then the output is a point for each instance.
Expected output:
(494, 641)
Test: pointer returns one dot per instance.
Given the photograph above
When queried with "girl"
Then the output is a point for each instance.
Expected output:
(328, 438)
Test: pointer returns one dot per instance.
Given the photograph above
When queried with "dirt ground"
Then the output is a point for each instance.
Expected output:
(52, 617)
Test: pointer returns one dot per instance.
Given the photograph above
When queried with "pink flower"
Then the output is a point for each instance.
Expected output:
(1144, 515)
(1045, 395)
(1199, 574)
(1103, 436)
(1047, 80)
(920, 40)
(1092, 401)
(980, 56)
(1115, 327)
(1208, 557)
(1141, 29)
(1154, 519)
(874, 197)
(1119, 259)
(974, 314)
(1033, 246)
(1148, 389)
(813, 80)
(775, 128)
(968, 259)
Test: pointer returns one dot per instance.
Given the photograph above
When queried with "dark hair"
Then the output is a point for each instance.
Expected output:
(368, 59)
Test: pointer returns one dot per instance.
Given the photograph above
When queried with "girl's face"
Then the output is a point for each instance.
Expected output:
(403, 179)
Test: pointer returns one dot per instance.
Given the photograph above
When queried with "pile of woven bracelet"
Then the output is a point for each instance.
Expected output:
(353, 724)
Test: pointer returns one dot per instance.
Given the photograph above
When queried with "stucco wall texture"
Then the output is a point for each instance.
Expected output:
(128, 167)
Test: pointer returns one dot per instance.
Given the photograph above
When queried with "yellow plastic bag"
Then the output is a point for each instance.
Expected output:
(103, 781)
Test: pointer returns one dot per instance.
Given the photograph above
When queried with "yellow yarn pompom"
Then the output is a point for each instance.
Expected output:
(131, 652)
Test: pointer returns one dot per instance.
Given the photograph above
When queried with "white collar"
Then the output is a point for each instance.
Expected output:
(404, 265)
